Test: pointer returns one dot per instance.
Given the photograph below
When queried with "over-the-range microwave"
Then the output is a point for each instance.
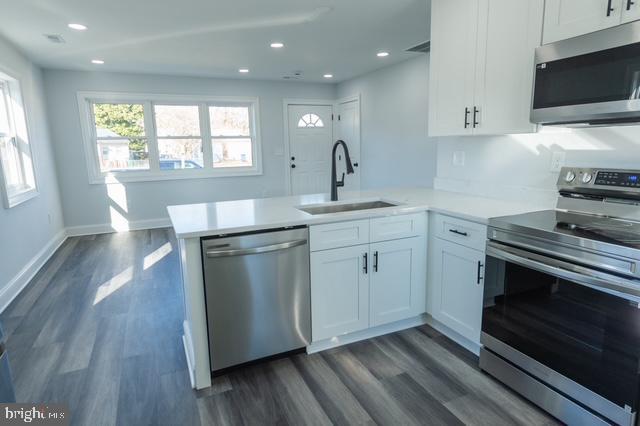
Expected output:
(593, 79)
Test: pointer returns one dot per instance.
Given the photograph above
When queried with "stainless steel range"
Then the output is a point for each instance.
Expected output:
(561, 314)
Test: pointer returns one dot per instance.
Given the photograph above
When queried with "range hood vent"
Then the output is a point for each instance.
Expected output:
(421, 48)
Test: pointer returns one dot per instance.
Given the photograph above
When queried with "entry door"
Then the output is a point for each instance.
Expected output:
(348, 129)
(310, 143)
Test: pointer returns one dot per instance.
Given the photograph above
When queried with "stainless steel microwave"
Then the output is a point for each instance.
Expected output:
(589, 80)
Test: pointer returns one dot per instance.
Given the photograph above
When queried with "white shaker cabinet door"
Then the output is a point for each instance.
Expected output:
(398, 280)
(458, 288)
(339, 291)
(565, 19)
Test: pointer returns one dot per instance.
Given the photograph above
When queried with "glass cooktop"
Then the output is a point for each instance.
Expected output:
(604, 229)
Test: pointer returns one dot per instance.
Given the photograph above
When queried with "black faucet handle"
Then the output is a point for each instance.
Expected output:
(340, 183)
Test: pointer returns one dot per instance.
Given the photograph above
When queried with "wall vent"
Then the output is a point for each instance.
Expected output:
(421, 48)
(54, 38)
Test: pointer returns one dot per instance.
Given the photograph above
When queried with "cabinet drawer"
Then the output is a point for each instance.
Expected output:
(395, 227)
(469, 234)
(340, 234)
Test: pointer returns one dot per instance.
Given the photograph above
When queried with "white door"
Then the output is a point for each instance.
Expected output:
(310, 142)
(454, 34)
(509, 31)
(398, 280)
(564, 19)
(458, 288)
(630, 10)
(339, 291)
(348, 129)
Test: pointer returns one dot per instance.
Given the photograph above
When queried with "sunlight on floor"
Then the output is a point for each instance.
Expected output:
(114, 284)
(157, 255)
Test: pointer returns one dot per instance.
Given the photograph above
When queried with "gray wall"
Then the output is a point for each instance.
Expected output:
(86, 204)
(28, 228)
(395, 148)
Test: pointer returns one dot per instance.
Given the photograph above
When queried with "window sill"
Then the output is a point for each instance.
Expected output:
(146, 176)
(21, 197)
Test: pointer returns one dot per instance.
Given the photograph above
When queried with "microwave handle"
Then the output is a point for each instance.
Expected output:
(596, 280)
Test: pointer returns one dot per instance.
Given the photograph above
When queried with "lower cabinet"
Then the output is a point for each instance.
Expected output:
(397, 282)
(457, 287)
(357, 287)
(339, 291)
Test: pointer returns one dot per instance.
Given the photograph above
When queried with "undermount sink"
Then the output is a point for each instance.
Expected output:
(347, 207)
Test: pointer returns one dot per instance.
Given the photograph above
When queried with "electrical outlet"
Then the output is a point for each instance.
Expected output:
(558, 159)
(459, 158)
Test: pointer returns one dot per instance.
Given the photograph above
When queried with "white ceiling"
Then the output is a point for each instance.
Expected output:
(217, 37)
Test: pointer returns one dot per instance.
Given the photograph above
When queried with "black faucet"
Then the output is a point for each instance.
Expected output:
(335, 183)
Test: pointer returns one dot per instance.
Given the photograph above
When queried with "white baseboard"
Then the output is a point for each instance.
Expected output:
(456, 337)
(20, 281)
(106, 228)
(188, 352)
(366, 334)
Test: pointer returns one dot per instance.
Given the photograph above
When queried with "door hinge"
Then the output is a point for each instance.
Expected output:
(331, 117)
(338, 117)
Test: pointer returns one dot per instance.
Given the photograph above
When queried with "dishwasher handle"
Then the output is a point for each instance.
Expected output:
(255, 250)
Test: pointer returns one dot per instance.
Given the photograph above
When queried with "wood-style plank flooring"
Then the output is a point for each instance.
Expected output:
(99, 328)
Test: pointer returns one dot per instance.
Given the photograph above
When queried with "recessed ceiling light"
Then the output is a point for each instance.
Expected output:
(277, 45)
(243, 70)
(77, 27)
(97, 61)
(328, 76)
(382, 54)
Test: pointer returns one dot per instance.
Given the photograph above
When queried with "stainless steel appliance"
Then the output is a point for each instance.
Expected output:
(7, 393)
(561, 314)
(257, 294)
(592, 79)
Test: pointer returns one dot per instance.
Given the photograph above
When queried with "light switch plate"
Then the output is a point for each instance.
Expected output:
(558, 158)
(459, 158)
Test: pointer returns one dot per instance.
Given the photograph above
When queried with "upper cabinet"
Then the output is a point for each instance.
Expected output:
(564, 19)
(481, 67)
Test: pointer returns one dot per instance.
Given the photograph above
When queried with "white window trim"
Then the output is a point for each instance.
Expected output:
(154, 173)
(14, 200)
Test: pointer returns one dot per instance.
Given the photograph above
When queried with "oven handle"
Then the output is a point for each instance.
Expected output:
(601, 281)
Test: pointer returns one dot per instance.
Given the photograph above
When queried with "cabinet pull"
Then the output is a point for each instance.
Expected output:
(480, 277)
(629, 4)
(365, 266)
(609, 8)
(467, 111)
(475, 114)
(455, 231)
(375, 262)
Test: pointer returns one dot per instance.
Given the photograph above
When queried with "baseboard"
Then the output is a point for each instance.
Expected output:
(186, 341)
(106, 228)
(20, 281)
(369, 333)
(456, 337)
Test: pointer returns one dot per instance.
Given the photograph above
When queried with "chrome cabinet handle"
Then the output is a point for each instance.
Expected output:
(255, 250)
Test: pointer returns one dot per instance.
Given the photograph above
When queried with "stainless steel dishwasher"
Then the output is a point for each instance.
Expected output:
(258, 295)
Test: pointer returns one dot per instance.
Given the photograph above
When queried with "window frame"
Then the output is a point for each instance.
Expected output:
(87, 99)
(11, 88)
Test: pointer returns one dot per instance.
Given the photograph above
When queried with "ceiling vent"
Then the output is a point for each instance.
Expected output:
(54, 38)
(421, 48)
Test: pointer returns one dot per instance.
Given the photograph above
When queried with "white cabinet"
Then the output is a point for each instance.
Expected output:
(339, 291)
(481, 66)
(367, 285)
(397, 282)
(564, 19)
(458, 287)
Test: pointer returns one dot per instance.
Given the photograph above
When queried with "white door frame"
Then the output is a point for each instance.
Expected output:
(324, 102)
(287, 143)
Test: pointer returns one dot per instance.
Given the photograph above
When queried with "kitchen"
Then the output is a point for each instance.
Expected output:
(250, 213)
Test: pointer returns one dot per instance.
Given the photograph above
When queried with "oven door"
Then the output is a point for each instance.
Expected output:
(576, 328)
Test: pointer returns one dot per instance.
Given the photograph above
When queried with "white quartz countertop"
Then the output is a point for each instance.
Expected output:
(227, 217)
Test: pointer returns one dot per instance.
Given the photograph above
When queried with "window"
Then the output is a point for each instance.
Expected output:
(154, 137)
(16, 164)
(310, 120)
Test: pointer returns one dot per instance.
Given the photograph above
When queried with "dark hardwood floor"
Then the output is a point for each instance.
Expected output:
(99, 328)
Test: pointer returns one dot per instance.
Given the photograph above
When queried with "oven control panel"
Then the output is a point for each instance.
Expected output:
(607, 180)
